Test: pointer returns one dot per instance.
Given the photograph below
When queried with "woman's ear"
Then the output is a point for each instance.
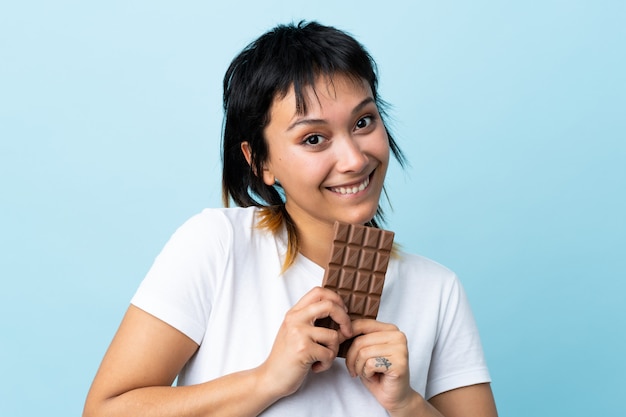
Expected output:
(247, 153)
(268, 177)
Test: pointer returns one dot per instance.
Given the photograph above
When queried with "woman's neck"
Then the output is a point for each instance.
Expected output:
(315, 239)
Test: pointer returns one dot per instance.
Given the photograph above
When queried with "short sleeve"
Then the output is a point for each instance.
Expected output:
(178, 287)
(458, 358)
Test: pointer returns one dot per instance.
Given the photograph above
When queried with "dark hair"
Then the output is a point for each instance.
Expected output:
(286, 56)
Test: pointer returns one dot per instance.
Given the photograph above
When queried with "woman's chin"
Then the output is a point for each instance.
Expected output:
(358, 218)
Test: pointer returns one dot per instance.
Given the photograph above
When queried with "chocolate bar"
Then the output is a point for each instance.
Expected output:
(356, 271)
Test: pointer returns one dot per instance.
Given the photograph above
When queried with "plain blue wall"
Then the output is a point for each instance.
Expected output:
(512, 115)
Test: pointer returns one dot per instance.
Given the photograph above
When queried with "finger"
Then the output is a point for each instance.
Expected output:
(389, 337)
(307, 345)
(375, 344)
(321, 304)
(377, 365)
(323, 295)
(328, 338)
(321, 356)
(390, 359)
(363, 360)
(357, 357)
(301, 323)
(366, 326)
(327, 308)
(318, 294)
(341, 317)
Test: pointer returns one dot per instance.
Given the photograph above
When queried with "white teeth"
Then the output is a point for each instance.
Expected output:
(352, 190)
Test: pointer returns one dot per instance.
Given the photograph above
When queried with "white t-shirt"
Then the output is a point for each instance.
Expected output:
(218, 281)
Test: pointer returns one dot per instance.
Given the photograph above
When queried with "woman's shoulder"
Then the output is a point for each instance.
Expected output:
(214, 219)
(420, 263)
(421, 268)
(216, 226)
(234, 215)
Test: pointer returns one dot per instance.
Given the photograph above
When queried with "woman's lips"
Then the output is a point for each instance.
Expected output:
(351, 189)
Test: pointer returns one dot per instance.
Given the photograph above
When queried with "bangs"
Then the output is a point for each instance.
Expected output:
(302, 86)
(297, 58)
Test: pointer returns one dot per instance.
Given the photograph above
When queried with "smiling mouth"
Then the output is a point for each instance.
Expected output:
(351, 189)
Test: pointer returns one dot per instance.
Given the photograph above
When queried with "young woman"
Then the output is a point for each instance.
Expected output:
(229, 305)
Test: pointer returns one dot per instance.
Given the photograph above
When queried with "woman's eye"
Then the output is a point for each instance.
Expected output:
(313, 140)
(364, 122)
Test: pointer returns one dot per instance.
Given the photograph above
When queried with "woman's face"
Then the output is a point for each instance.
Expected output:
(331, 161)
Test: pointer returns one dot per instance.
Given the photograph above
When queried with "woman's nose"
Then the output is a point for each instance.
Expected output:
(351, 157)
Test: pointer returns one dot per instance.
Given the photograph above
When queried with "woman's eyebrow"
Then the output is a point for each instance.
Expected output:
(362, 104)
(306, 122)
(357, 109)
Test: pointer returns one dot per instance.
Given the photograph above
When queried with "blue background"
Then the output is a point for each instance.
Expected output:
(512, 114)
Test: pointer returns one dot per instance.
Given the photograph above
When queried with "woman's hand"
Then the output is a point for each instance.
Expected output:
(380, 358)
(300, 346)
